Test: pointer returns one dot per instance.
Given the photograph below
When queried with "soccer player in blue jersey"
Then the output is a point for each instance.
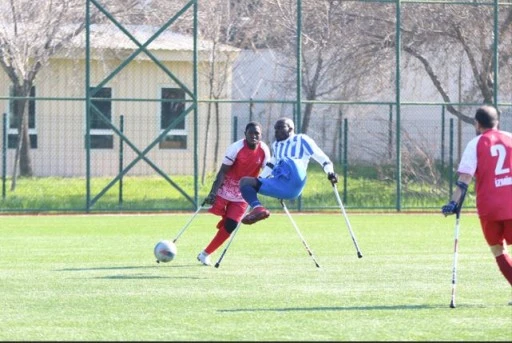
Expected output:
(284, 176)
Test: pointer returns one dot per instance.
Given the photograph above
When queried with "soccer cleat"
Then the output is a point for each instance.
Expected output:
(204, 258)
(257, 214)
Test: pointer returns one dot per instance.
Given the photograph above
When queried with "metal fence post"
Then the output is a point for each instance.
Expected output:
(251, 109)
(235, 128)
(345, 159)
(121, 157)
(443, 108)
(4, 154)
(450, 161)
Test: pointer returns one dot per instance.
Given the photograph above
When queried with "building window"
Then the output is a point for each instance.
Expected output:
(102, 136)
(176, 138)
(13, 134)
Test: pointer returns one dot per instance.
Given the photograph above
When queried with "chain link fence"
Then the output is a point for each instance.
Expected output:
(108, 131)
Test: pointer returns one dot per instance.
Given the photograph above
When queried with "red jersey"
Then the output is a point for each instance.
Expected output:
(244, 162)
(488, 157)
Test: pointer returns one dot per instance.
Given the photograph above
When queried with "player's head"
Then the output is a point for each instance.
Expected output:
(253, 134)
(486, 117)
(284, 128)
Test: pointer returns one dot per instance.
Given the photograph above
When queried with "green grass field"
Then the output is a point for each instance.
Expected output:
(363, 189)
(94, 278)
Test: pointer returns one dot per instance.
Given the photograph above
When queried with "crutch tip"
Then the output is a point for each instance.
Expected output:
(216, 265)
(359, 255)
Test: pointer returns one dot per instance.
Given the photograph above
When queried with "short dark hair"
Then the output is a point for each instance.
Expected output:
(252, 124)
(487, 117)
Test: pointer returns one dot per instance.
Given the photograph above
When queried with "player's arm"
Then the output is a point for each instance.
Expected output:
(230, 157)
(464, 179)
(324, 160)
(267, 169)
(458, 194)
(268, 163)
(466, 170)
(219, 180)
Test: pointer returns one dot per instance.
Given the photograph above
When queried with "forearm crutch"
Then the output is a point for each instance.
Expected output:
(300, 235)
(189, 222)
(346, 220)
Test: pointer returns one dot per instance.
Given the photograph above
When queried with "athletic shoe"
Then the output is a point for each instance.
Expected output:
(257, 214)
(204, 258)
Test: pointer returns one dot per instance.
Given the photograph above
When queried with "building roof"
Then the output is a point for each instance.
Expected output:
(109, 36)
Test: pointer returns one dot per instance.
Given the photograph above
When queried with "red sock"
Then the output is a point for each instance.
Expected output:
(217, 241)
(505, 263)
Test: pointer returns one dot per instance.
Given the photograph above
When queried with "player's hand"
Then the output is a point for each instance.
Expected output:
(210, 199)
(449, 208)
(333, 178)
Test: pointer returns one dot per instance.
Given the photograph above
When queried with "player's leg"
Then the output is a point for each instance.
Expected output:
(219, 209)
(498, 234)
(508, 244)
(277, 187)
(287, 182)
(233, 213)
(249, 187)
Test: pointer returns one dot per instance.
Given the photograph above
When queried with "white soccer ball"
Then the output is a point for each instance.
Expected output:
(165, 251)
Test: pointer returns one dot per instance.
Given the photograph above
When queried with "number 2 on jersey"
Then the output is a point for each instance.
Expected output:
(500, 151)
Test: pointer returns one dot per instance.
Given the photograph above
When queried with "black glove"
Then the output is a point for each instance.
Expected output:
(210, 199)
(333, 178)
(449, 208)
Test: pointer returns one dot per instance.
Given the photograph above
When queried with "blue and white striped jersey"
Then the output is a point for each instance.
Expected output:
(299, 147)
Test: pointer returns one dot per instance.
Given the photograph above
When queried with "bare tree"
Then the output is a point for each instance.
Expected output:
(218, 20)
(31, 32)
(437, 36)
(349, 47)
(332, 68)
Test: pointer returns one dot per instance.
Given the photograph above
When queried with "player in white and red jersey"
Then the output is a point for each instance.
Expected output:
(488, 158)
(245, 157)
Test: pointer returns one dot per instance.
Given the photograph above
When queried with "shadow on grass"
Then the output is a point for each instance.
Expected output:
(347, 308)
(134, 277)
(161, 265)
(143, 277)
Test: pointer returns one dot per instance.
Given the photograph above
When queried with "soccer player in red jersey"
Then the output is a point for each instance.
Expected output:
(245, 157)
(488, 158)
